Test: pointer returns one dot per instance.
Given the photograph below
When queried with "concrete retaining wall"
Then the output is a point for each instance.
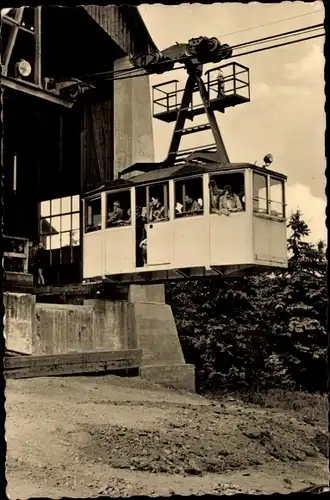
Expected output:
(143, 322)
(19, 322)
(57, 329)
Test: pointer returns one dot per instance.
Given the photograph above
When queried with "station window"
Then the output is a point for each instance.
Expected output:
(227, 192)
(189, 197)
(119, 209)
(60, 222)
(93, 215)
(260, 193)
(277, 207)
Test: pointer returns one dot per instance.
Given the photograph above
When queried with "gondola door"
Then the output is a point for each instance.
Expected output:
(158, 229)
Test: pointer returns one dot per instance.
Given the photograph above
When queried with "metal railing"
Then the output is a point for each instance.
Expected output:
(166, 97)
(164, 101)
(232, 84)
(16, 254)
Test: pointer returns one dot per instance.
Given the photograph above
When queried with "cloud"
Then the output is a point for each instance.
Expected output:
(260, 89)
(293, 90)
(308, 69)
(299, 197)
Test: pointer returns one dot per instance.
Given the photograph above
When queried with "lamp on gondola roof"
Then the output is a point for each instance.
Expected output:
(268, 160)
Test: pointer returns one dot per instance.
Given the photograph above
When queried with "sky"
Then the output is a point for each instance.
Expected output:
(286, 114)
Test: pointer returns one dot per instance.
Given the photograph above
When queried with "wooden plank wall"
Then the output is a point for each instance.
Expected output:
(127, 31)
(98, 143)
(111, 20)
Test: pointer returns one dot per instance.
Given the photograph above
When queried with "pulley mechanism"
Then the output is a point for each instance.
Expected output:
(197, 51)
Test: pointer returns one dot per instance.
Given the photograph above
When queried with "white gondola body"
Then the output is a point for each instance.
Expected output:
(202, 245)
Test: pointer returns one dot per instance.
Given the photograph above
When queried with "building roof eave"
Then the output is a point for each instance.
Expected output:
(132, 12)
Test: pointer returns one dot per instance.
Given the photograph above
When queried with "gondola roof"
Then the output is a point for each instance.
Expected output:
(184, 170)
(194, 169)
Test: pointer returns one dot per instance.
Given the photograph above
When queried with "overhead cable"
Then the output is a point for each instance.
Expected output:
(285, 33)
(254, 51)
(270, 23)
(135, 72)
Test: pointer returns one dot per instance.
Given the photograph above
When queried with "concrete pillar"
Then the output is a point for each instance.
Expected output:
(156, 334)
(133, 134)
(147, 293)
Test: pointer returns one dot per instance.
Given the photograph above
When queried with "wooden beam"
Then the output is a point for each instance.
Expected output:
(37, 60)
(12, 39)
(217, 270)
(20, 282)
(31, 89)
(71, 363)
(12, 22)
(101, 290)
(182, 273)
(145, 278)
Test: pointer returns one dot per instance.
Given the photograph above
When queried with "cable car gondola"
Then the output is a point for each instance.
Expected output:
(188, 221)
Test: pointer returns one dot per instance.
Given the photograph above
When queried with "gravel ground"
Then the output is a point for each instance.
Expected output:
(88, 436)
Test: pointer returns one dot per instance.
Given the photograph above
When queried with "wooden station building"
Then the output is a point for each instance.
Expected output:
(68, 124)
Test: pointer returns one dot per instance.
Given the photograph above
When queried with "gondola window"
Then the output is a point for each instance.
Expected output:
(277, 207)
(157, 197)
(227, 193)
(118, 209)
(189, 197)
(93, 215)
(260, 194)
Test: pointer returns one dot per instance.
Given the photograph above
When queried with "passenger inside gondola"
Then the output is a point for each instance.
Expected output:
(227, 193)
(117, 215)
(120, 203)
(189, 197)
(215, 194)
(157, 209)
(229, 201)
(192, 206)
(140, 238)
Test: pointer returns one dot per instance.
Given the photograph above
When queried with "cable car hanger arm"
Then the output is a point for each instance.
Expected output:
(193, 55)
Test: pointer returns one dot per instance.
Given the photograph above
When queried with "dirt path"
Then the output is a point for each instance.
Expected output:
(84, 436)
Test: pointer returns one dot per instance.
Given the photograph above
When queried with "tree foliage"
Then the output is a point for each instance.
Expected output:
(263, 331)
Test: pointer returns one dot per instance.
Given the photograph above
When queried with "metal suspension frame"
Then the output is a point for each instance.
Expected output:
(193, 55)
(220, 155)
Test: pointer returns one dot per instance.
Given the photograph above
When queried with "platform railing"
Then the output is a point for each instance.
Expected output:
(166, 97)
(16, 254)
(233, 84)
